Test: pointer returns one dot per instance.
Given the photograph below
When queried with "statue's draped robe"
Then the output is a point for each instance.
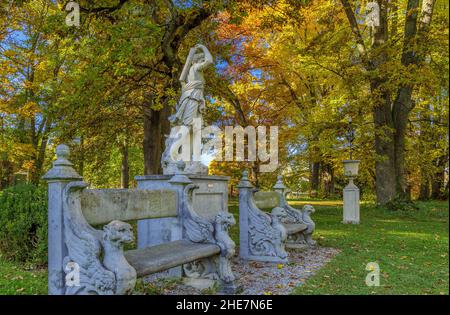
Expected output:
(192, 100)
(190, 104)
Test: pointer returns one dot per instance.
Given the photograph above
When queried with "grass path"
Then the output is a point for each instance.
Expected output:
(410, 248)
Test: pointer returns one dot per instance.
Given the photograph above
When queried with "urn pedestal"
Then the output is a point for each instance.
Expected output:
(351, 193)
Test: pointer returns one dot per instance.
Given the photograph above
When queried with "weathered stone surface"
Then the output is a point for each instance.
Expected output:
(262, 236)
(267, 199)
(190, 108)
(209, 199)
(57, 177)
(351, 204)
(295, 228)
(98, 257)
(165, 256)
(101, 206)
(291, 215)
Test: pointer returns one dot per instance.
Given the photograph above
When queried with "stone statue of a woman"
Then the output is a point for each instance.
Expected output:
(192, 102)
(189, 107)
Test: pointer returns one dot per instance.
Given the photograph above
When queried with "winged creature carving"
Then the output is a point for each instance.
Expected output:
(198, 229)
(97, 255)
(266, 236)
(84, 247)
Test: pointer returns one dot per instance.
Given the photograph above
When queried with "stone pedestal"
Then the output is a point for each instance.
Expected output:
(209, 199)
(57, 178)
(351, 203)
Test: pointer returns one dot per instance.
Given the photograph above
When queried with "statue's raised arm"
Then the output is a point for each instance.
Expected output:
(200, 57)
(207, 57)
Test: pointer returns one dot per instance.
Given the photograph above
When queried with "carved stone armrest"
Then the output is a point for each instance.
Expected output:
(288, 214)
(303, 217)
(196, 228)
(292, 215)
(267, 234)
(200, 230)
(88, 272)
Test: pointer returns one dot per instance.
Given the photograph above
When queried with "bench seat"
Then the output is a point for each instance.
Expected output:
(168, 255)
(295, 228)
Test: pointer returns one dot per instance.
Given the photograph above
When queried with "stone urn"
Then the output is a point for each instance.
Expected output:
(351, 168)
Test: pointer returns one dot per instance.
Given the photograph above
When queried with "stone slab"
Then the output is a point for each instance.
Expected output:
(208, 200)
(101, 206)
(165, 256)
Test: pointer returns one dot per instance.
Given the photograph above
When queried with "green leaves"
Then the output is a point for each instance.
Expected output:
(23, 224)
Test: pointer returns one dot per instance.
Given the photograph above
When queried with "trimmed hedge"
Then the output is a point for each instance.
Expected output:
(23, 224)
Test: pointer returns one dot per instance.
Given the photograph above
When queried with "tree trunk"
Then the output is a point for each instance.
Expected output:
(436, 186)
(125, 170)
(401, 110)
(39, 160)
(424, 193)
(81, 163)
(152, 140)
(385, 181)
(328, 178)
(390, 124)
(6, 174)
(315, 180)
(255, 170)
(156, 127)
(438, 179)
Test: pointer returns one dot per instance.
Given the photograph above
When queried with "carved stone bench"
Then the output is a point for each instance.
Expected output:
(293, 217)
(85, 260)
(264, 236)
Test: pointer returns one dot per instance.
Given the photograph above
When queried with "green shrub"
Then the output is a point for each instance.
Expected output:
(401, 204)
(23, 224)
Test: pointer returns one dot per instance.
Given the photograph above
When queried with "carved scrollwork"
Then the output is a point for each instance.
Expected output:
(296, 216)
(86, 247)
(266, 234)
(307, 211)
(200, 230)
(197, 229)
(222, 223)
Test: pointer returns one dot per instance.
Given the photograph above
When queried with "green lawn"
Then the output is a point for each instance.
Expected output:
(16, 279)
(410, 248)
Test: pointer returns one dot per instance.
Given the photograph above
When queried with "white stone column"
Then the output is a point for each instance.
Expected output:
(57, 177)
(245, 189)
(351, 203)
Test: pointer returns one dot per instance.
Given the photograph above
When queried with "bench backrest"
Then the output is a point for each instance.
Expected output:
(101, 206)
(267, 199)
